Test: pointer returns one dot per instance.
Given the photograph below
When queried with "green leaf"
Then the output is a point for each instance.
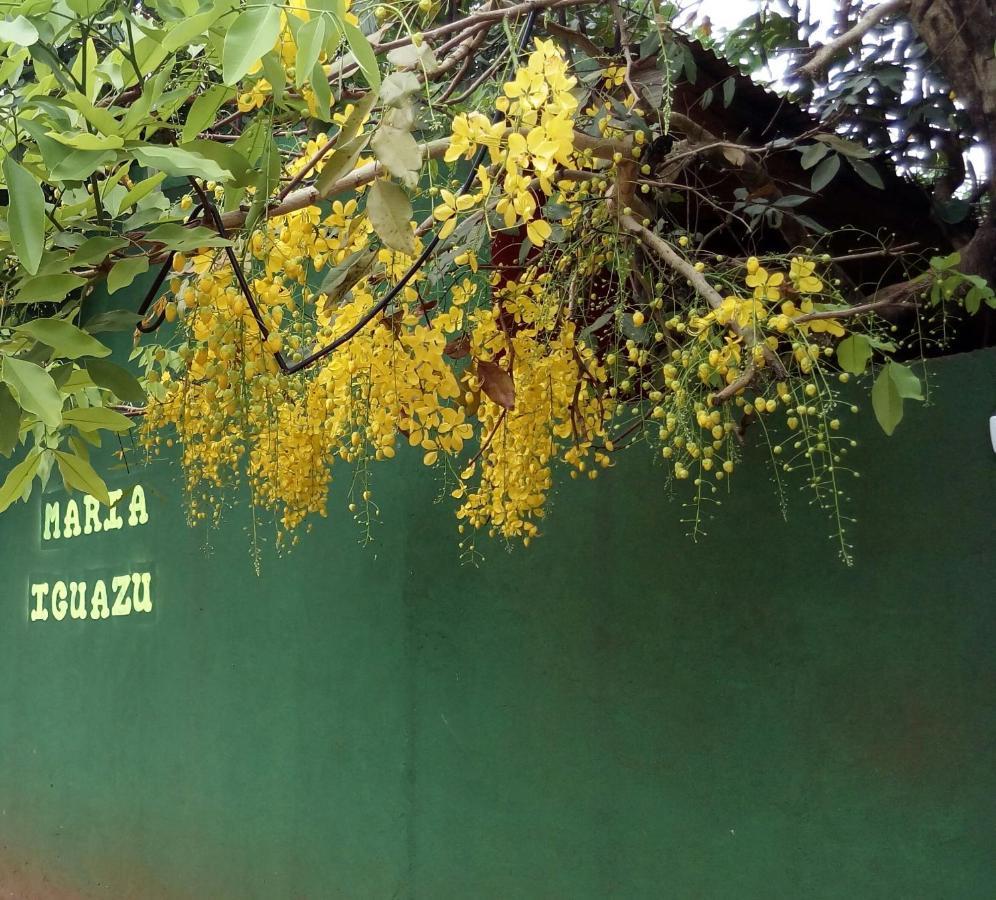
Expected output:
(251, 34)
(390, 212)
(226, 156)
(141, 190)
(94, 417)
(25, 215)
(33, 389)
(19, 479)
(906, 382)
(10, 421)
(341, 162)
(125, 271)
(79, 474)
(96, 250)
(398, 87)
(342, 278)
(117, 380)
(275, 72)
(853, 353)
(203, 110)
(323, 93)
(729, 89)
(178, 237)
(868, 172)
(47, 288)
(18, 31)
(398, 152)
(83, 140)
(97, 116)
(186, 31)
(310, 39)
(812, 154)
(895, 383)
(844, 147)
(364, 53)
(63, 337)
(178, 162)
(825, 173)
(85, 9)
(112, 320)
(886, 402)
(78, 165)
(354, 121)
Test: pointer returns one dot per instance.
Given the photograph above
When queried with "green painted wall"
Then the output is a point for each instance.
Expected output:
(614, 713)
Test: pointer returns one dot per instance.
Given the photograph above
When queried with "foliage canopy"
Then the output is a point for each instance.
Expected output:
(520, 237)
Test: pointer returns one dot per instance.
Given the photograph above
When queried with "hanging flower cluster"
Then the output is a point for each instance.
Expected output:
(558, 360)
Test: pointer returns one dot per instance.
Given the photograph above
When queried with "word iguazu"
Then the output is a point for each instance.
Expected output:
(120, 595)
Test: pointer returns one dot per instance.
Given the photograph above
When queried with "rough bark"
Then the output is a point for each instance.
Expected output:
(960, 35)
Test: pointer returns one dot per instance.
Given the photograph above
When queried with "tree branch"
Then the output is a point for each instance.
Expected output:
(826, 55)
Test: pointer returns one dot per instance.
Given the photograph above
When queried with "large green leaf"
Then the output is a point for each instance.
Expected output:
(226, 156)
(203, 110)
(178, 237)
(19, 479)
(125, 271)
(183, 33)
(115, 379)
(97, 116)
(63, 337)
(310, 39)
(10, 420)
(341, 162)
(85, 8)
(178, 162)
(47, 288)
(251, 34)
(364, 53)
(113, 320)
(867, 172)
(886, 402)
(895, 383)
(390, 212)
(79, 474)
(853, 353)
(907, 383)
(96, 249)
(398, 152)
(94, 417)
(78, 165)
(825, 173)
(34, 390)
(25, 215)
(18, 31)
(141, 190)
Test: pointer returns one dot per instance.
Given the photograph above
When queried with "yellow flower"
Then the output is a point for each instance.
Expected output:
(615, 76)
(790, 312)
(446, 212)
(766, 287)
(801, 274)
(255, 97)
(538, 231)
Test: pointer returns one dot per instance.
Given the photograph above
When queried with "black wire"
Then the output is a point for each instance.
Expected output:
(148, 328)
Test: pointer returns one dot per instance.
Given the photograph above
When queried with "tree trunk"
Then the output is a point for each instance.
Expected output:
(960, 35)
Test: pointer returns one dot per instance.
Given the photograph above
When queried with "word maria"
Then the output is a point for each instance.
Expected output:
(121, 595)
(65, 520)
